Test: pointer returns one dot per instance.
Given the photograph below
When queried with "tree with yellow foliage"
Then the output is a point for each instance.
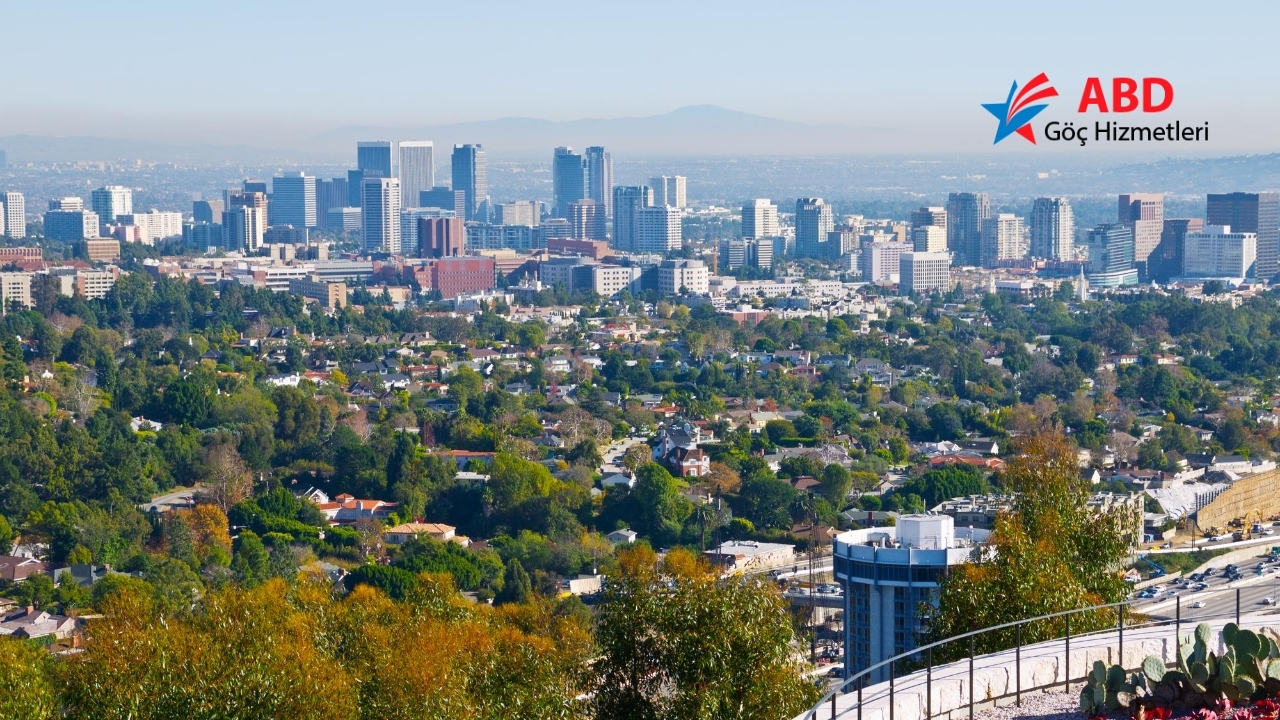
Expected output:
(1051, 553)
(678, 641)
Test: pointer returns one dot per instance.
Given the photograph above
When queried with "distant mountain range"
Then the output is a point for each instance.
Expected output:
(42, 149)
(692, 130)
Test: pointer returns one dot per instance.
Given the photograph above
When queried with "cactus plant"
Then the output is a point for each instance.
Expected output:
(1249, 668)
(1108, 688)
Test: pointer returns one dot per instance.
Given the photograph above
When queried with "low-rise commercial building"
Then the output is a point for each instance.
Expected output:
(328, 294)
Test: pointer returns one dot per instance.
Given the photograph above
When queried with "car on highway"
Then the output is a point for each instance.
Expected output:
(1197, 604)
(1267, 601)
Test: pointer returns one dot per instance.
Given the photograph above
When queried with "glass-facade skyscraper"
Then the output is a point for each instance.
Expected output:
(600, 178)
(569, 180)
(376, 159)
(470, 175)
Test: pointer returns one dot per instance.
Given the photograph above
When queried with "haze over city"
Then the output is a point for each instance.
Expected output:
(306, 78)
(559, 360)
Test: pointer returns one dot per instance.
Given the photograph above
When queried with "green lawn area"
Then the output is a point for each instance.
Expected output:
(1184, 561)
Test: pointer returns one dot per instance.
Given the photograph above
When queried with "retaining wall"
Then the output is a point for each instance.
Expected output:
(995, 676)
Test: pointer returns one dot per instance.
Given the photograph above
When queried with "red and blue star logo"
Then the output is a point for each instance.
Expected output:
(1016, 112)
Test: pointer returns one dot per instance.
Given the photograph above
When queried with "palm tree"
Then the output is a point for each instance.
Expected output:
(703, 512)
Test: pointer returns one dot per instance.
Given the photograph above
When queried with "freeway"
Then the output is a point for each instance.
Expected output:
(1219, 598)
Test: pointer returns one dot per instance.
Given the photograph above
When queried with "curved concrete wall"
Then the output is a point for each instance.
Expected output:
(996, 679)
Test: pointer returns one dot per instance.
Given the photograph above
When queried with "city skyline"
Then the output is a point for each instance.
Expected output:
(868, 106)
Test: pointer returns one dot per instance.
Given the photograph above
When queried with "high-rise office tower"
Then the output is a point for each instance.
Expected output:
(69, 225)
(243, 228)
(1258, 213)
(355, 178)
(251, 199)
(1053, 229)
(110, 202)
(813, 221)
(668, 190)
(658, 230)
(207, 211)
(1143, 213)
(444, 198)
(586, 220)
(930, 216)
(760, 219)
(380, 215)
(330, 194)
(520, 212)
(628, 200)
(966, 212)
(924, 272)
(1165, 262)
(1111, 256)
(409, 225)
(470, 175)
(1001, 237)
(600, 178)
(376, 158)
(15, 214)
(417, 168)
(441, 237)
(568, 180)
(293, 200)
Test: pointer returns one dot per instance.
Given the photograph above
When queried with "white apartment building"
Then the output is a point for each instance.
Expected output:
(95, 284)
(923, 272)
(609, 280)
(658, 229)
(879, 261)
(1216, 252)
(676, 276)
(760, 219)
(153, 226)
(929, 239)
(380, 215)
(15, 215)
(15, 290)
(669, 191)
(111, 201)
(1001, 238)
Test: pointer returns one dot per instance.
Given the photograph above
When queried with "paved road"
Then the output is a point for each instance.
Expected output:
(180, 498)
(1220, 597)
(612, 454)
(1206, 544)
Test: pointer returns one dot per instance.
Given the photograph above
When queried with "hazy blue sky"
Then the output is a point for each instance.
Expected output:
(238, 71)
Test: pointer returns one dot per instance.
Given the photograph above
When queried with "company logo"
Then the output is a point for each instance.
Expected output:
(1016, 112)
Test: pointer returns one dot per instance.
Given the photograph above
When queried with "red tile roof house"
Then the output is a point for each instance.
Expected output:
(347, 509)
